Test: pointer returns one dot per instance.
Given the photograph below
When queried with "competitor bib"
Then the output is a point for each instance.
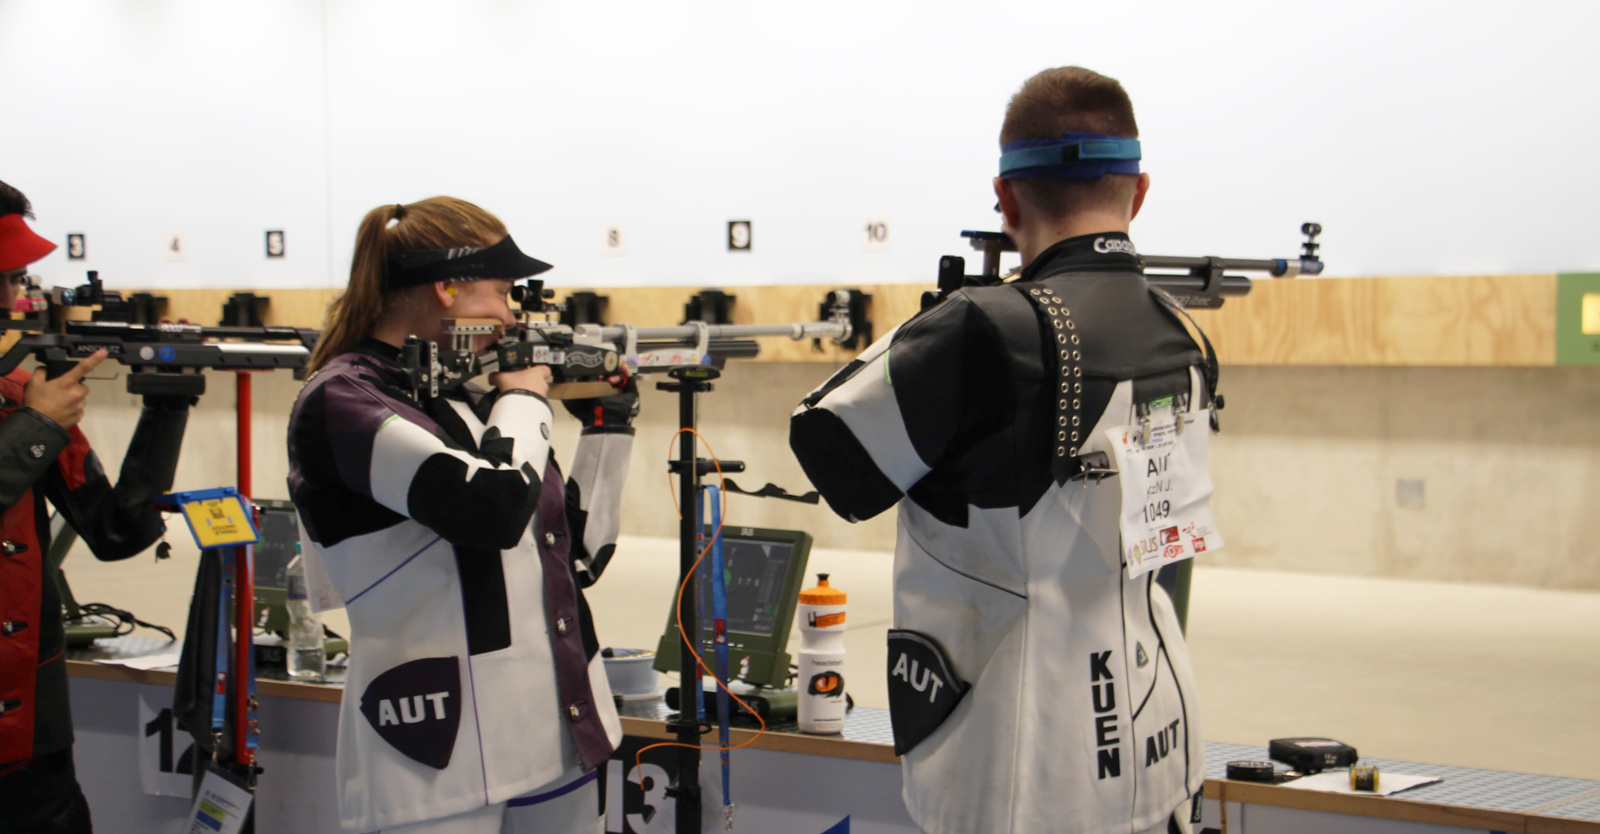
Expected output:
(1166, 488)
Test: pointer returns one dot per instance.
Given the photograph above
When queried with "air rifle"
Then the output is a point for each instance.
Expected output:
(1194, 282)
(581, 355)
(163, 358)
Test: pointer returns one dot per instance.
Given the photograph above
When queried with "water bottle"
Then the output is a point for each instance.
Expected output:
(821, 683)
(307, 659)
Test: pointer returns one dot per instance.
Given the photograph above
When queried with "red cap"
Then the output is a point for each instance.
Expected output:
(19, 246)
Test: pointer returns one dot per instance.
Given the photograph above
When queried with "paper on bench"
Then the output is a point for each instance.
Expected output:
(1338, 781)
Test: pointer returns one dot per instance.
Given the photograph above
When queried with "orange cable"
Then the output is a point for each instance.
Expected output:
(677, 614)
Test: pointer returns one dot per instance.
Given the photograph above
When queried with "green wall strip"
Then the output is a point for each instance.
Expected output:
(1578, 319)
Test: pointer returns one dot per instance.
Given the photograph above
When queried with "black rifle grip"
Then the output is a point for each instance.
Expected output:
(56, 367)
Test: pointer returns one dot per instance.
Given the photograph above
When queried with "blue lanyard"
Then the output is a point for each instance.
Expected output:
(691, 686)
(252, 738)
(219, 695)
(719, 619)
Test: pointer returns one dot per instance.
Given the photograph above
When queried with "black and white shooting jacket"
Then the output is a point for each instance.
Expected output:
(1034, 686)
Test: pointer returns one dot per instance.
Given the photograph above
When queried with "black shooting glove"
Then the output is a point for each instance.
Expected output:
(610, 413)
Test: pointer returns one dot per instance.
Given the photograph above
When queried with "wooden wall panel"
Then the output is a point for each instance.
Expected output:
(1514, 320)
(1489, 320)
(1496, 320)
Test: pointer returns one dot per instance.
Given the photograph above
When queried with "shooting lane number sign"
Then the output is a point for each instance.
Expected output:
(740, 235)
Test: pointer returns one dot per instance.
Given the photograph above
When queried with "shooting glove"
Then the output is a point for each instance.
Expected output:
(610, 413)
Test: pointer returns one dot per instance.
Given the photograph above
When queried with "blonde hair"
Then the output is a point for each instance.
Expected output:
(434, 223)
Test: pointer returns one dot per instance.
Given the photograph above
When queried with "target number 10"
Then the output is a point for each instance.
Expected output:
(875, 235)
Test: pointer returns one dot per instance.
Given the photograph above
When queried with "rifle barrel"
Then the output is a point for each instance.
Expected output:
(1178, 262)
(1276, 267)
(726, 348)
(686, 333)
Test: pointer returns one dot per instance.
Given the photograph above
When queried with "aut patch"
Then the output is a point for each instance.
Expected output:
(923, 687)
(416, 708)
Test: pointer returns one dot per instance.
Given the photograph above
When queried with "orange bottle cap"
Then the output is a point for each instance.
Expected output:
(823, 594)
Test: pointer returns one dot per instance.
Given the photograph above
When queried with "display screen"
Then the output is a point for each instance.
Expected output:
(755, 573)
(279, 534)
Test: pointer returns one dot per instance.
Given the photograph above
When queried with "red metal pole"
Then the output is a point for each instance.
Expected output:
(242, 420)
(244, 585)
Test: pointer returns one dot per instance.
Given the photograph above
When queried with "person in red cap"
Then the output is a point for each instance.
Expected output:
(19, 246)
(45, 457)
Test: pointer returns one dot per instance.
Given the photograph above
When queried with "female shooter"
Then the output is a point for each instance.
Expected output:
(445, 528)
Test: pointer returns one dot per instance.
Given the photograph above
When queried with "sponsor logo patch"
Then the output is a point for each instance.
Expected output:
(1104, 245)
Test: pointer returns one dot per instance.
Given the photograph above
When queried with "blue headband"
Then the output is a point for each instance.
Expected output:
(1077, 156)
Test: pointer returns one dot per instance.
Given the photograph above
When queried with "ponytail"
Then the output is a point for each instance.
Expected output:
(434, 223)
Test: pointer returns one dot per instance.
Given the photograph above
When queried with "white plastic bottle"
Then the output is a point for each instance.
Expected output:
(821, 682)
(307, 658)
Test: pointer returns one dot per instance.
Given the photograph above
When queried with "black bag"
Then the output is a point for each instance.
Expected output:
(197, 665)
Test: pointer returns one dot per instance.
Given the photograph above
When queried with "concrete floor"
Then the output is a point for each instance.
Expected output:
(1484, 676)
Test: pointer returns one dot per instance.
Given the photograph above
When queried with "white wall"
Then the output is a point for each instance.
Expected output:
(128, 121)
(1426, 137)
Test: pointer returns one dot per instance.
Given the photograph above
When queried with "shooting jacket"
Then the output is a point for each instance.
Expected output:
(445, 529)
(1033, 685)
(40, 461)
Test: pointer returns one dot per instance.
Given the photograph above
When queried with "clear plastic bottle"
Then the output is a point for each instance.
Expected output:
(307, 659)
(822, 682)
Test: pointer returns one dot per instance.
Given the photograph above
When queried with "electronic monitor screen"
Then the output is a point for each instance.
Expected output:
(279, 535)
(763, 571)
(756, 572)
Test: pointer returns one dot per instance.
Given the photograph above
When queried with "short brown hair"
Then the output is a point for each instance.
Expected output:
(1071, 99)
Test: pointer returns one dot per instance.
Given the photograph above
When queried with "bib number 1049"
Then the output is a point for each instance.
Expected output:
(1158, 511)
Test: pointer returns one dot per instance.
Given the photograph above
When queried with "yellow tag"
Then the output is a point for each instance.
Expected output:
(1591, 314)
(218, 522)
